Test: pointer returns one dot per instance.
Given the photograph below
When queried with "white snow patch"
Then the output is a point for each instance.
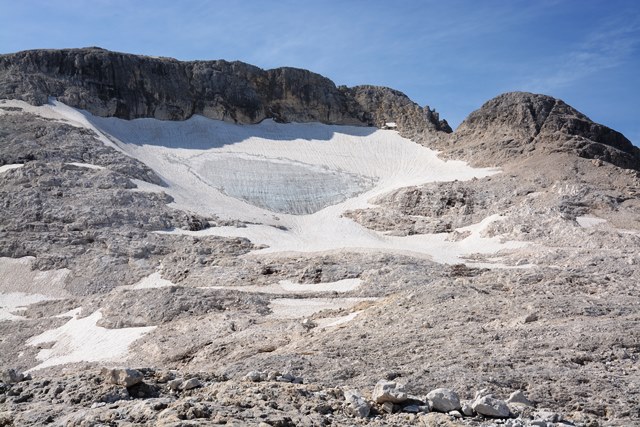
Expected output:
(344, 285)
(292, 181)
(5, 168)
(154, 280)
(81, 340)
(329, 234)
(330, 322)
(17, 301)
(86, 165)
(292, 308)
(589, 221)
(289, 287)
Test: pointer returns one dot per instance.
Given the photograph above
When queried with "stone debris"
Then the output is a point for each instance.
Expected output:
(256, 376)
(491, 407)
(467, 409)
(355, 404)
(122, 376)
(518, 397)
(190, 384)
(389, 391)
(443, 400)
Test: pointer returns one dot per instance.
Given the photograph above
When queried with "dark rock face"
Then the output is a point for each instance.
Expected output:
(129, 86)
(518, 124)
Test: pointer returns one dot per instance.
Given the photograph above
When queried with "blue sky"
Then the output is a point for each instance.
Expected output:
(452, 55)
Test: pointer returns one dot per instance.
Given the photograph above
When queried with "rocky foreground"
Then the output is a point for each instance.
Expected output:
(128, 397)
(545, 333)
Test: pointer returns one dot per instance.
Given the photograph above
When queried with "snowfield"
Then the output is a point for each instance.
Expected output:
(81, 340)
(290, 182)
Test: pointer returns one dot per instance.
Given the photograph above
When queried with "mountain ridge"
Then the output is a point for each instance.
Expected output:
(128, 86)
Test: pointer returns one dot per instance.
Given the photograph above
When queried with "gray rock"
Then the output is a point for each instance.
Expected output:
(389, 391)
(175, 384)
(356, 405)
(412, 409)
(122, 376)
(455, 414)
(190, 384)
(11, 376)
(489, 406)
(519, 398)
(288, 377)
(467, 409)
(255, 376)
(547, 416)
(443, 400)
(388, 407)
(272, 375)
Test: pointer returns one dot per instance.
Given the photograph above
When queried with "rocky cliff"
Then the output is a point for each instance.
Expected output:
(131, 86)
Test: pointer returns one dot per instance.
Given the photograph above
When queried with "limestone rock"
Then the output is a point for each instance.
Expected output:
(443, 400)
(489, 406)
(389, 391)
(122, 376)
(356, 405)
(519, 398)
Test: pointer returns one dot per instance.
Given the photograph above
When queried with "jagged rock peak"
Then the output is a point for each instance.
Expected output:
(131, 86)
(519, 123)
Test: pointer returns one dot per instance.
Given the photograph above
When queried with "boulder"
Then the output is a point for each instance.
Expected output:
(489, 406)
(443, 400)
(389, 391)
(518, 397)
(355, 404)
(122, 376)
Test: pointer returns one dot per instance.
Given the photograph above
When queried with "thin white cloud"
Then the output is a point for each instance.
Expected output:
(606, 48)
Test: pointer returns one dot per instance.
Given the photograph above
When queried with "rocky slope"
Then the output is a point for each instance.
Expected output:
(240, 337)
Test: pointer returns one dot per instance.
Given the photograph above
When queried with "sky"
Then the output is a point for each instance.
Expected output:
(452, 55)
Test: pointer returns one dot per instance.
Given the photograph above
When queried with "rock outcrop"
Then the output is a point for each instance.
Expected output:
(518, 125)
(131, 86)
